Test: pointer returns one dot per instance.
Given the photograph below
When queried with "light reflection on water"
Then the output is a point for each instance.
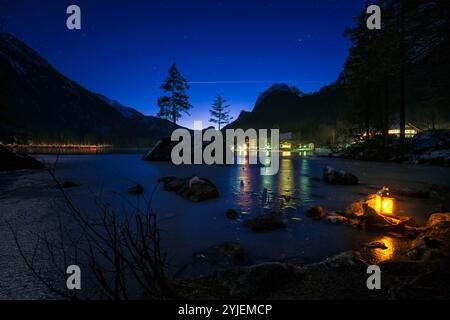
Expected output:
(192, 227)
(383, 254)
(292, 183)
(305, 180)
(286, 178)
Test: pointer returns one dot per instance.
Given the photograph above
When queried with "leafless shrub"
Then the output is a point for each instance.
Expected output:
(123, 252)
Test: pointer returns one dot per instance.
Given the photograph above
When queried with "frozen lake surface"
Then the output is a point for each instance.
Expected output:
(189, 229)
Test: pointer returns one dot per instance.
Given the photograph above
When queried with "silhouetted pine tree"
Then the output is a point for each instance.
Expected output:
(176, 101)
(219, 112)
(401, 71)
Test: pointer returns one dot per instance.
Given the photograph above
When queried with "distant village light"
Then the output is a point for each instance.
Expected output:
(410, 130)
(286, 146)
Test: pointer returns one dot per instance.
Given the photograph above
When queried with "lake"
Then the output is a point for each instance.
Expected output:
(193, 230)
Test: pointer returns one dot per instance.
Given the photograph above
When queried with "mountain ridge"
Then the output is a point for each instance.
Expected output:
(39, 104)
(290, 110)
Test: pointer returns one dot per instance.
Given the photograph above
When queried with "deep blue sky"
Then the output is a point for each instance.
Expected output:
(235, 48)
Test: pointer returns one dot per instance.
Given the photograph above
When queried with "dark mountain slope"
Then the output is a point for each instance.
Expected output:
(162, 126)
(39, 104)
(291, 111)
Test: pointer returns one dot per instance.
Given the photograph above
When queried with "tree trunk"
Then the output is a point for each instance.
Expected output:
(386, 113)
(174, 113)
(402, 117)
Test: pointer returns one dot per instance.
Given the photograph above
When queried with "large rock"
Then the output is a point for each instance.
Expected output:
(193, 188)
(316, 213)
(434, 242)
(333, 176)
(337, 219)
(161, 152)
(355, 210)
(438, 233)
(344, 260)
(404, 226)
(265, 223)
(231, 214)
(255, 280)
(172, 184)
(10, 161)
(438, 219)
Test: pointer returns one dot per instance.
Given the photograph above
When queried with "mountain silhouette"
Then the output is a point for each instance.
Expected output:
(38, 104)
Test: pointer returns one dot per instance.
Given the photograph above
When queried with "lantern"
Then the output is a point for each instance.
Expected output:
(384, 202)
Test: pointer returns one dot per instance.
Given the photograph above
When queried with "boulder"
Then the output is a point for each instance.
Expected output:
(263, 278)
(343, 261)
(198, 190)
(69, 184)
(438, 219)
(265, 223)
(332, 176)
(231, 214)
(336, 219)
(137, 190)
(400, 225)
(172, 184)
(233, 250)
(438, 233)
(10, 161)
(161, 151)
(316, 213)
(355, 210)
(193, 188)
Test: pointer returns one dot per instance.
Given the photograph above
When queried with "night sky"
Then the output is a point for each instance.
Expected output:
(235, 48)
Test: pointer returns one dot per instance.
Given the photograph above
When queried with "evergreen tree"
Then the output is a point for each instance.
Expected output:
(175, 102)
(400, 73)
(219, 113)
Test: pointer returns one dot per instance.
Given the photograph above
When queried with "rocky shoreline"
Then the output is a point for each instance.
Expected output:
(418, 270)
(421, 271)
(428, 147)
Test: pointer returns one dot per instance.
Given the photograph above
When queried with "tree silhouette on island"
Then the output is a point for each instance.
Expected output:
(175, 102)
(219, 112)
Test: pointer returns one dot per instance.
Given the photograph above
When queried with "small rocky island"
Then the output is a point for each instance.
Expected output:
(192, 188)
(10, 161)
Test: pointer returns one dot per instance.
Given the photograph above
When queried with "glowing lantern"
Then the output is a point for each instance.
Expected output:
(384, 202)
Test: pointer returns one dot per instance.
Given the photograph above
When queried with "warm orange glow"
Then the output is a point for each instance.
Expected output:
(387, 253)
(384, 203)
(57, 146)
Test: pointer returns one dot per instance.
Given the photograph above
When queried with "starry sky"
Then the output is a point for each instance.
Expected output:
(236, 48)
